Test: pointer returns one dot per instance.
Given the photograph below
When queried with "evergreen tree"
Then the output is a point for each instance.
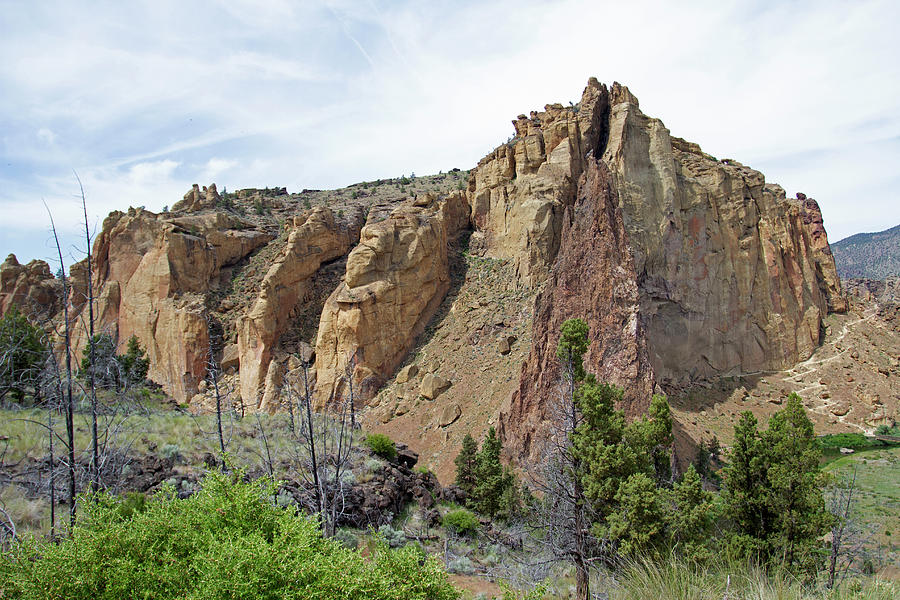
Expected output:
(773, 490)
(134, 363)
(795, 485)
(466, 476)
(637, 524)
(745, 493)
(492, 478)
(22, 352)
(690, 514)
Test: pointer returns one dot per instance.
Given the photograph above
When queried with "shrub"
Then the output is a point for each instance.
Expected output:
(170, 452)
(461, 521)
(226, 541)
(382, 445)
(461, 565)
(394, 537)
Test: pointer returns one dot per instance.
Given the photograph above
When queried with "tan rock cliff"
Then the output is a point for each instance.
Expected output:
(315, 238)
(396, 277)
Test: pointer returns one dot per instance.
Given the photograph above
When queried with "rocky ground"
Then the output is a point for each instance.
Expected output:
(851, 383)
(468, 358)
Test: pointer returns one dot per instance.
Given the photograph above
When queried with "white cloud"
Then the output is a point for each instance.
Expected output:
(151, 97)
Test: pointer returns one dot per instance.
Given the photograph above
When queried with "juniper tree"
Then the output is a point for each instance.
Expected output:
(466, 465)
(773, 489)
(493, 479)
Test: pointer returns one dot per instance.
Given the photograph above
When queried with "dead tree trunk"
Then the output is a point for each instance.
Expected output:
(70, 402)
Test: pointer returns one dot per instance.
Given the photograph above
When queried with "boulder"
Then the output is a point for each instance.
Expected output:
(432, 385)
(407, 373)
(449, 415)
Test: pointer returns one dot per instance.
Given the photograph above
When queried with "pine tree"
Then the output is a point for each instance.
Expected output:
(492, 478)
(690, 514)
(773, 491)
(134, 363)
(795, 485)
(466, 465)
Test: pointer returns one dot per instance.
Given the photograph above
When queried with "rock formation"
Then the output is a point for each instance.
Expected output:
(32, 288)
(396, 278)
(722, 275)
(687, 269)
(151, 275)
(315, 238)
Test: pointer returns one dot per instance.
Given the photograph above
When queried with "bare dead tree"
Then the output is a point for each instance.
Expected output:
(213, 372)
(95, 448)
(70, 401)
(326, 440)
(847, 539)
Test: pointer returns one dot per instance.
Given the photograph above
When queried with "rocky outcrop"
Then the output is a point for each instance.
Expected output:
(151, 275)
(396, 278)
(31, 288)
(706, 271)
(594, 279)
(316, 237)
(519, 192)
(195, 200)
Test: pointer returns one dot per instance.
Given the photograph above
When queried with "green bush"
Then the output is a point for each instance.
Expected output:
(226, 541)
(382, 445)
(856, 441)
(461, 521)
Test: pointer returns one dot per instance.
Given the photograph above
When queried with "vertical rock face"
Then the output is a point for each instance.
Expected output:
(593, 278)
(704, 270)
(396, 278)
(150, 277)
(734, 277)
(315, 238)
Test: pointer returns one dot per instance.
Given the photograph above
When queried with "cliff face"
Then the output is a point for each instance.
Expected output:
(151, 278)
(713, 272)
(315, 238)
(734, 277)
(396, 278)
(687, 269)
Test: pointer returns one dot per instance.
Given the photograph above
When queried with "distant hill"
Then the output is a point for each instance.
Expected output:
(868, 255)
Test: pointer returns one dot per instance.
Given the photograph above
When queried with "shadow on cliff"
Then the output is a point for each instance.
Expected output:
(458, 267)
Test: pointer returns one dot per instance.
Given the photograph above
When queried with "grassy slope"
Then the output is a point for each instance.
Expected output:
(878, 508)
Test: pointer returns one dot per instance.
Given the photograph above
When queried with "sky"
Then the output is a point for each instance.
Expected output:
(143, 99)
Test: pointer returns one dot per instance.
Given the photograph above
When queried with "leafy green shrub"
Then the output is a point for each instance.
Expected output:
(382, 445)
(226, 541)
(461, 521)
(856, 441)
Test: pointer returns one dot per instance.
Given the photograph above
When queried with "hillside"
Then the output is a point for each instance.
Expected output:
(436, 301)
(868, 255)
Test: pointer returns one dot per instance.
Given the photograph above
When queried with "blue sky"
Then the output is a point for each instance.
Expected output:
(143, 99)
